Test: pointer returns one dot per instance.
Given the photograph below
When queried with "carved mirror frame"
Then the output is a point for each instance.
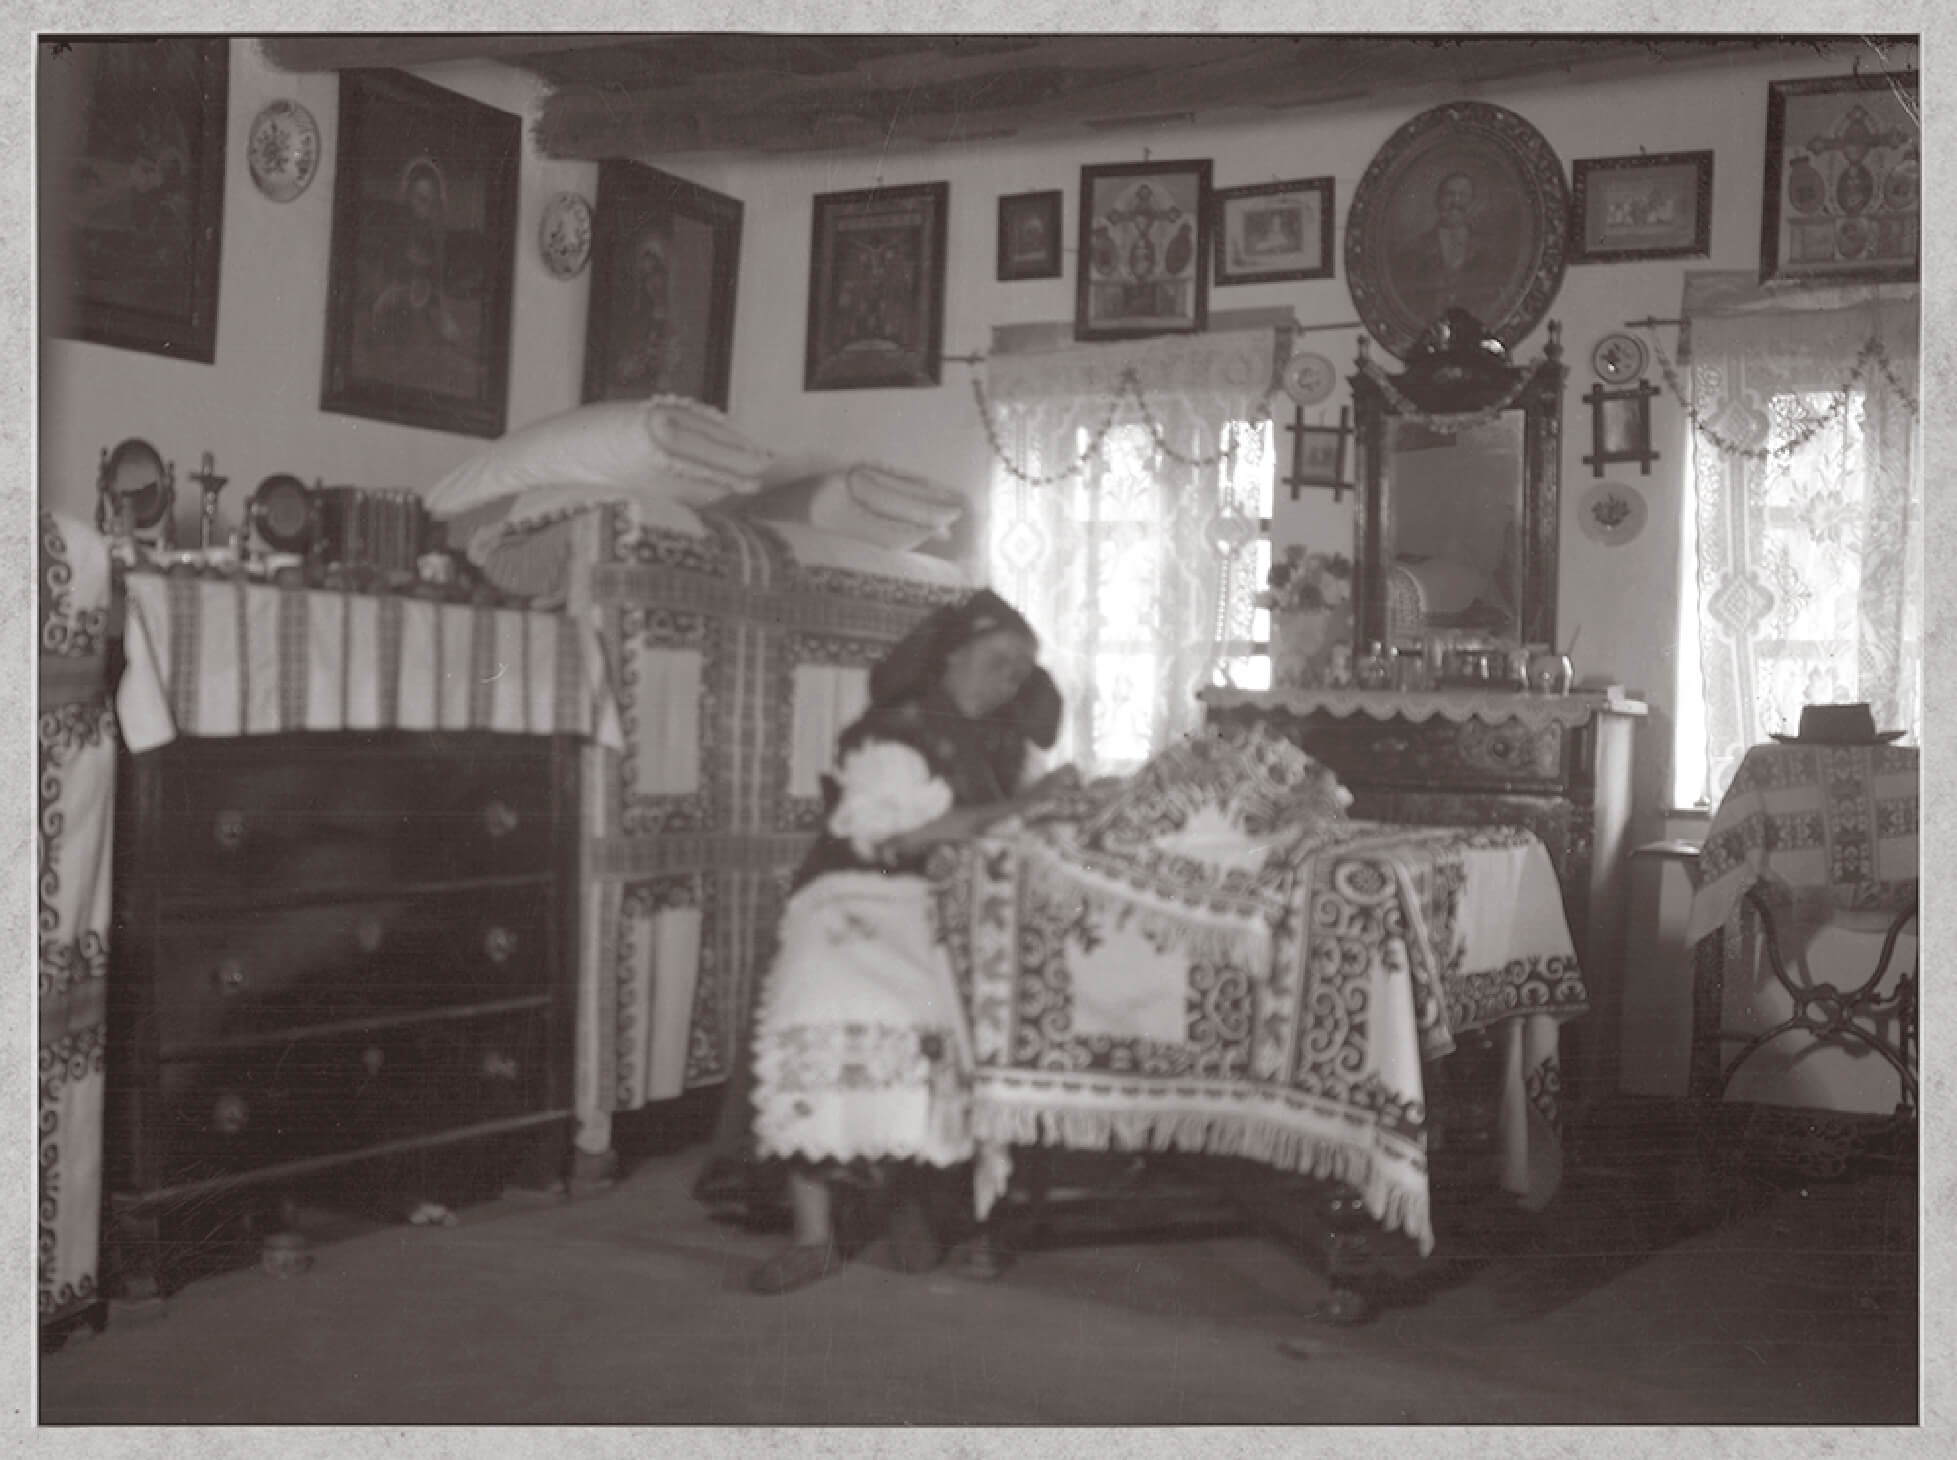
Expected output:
(1465, 374)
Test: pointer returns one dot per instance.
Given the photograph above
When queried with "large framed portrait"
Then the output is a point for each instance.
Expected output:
(1644, 207)
(424, 245)
(1144, 250)
(1465, 207)
(1273, 231)
(666, 257)
(1844, 187)
(877, 288)
(146, 191)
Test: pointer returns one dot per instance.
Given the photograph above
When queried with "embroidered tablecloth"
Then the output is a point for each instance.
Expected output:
(1279, 1014)
(1457, 705)
(218, 658)
(1835, 826)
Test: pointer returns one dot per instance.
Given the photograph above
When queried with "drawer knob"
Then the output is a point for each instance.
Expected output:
(499, 819)
(368, 934)
(372, 1058)
(230, 1114)
(499, 943)
(230, 976)
(228, 830)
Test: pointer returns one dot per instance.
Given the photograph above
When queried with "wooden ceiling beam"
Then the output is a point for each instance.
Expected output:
(360, 52)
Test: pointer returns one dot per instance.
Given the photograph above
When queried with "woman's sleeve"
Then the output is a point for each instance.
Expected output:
(885, 788)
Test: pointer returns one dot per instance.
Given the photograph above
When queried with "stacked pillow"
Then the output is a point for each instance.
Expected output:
(879, 505)
(679, 450)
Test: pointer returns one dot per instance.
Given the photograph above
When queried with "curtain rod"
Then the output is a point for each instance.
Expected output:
(1291, 329)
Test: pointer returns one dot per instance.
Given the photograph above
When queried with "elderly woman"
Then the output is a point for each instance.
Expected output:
(862, 1069)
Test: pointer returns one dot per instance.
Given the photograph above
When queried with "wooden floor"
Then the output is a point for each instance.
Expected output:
(1779, 1303)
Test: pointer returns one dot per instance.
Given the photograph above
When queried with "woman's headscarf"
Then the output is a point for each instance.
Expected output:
(916, 663)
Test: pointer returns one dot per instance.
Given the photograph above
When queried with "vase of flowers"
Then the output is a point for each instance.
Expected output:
(1310, 598)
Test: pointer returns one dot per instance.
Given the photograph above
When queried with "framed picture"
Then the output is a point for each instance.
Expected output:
(1029, 236)
(147, 192)
(1844, 193)
(424, 243)
(877, 288)
(1464, 207)
(1279, 230)
(1655, 207)
(665, 258)
(1620, 426)
(1144, 250)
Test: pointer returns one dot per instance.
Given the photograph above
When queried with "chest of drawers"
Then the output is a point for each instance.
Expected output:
(333, 950)
(1558, 766)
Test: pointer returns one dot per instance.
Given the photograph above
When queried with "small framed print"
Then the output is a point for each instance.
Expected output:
(1144, 246)
(1274, 231)
(1029, 235)
(1620, 426)
(877, 288)
(1844, 186)
(1646, 207)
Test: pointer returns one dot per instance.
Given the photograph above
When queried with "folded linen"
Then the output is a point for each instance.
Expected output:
(869, 503)
(687, 452)
(697, 435)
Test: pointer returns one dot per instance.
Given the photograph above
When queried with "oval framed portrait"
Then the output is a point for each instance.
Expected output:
(1465, 207)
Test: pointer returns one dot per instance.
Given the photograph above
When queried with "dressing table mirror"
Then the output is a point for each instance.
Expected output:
(1459, 460)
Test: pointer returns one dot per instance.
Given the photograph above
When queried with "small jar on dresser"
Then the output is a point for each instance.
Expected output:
(1558, 765)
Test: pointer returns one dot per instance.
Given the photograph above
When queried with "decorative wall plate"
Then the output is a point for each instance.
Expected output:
(1618, 358)
(1310, 379)
(1611, 514)
(282, 513)
(564, 236)
(1465, 207)
(283, 151)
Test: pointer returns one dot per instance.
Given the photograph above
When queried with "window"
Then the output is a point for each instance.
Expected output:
(1162, 573)
(1802, 548)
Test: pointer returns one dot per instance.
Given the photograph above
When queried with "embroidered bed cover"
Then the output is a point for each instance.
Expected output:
(1145, 1001)
(739, 653)
(75, 786)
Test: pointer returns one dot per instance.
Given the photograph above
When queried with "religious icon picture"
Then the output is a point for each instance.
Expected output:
(1844, 193)
(877, 288)
(1144, 246)
(665, 259)
(424, 245)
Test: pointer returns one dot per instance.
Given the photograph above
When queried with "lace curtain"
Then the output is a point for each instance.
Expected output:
(1809, 514)
(1128, 485)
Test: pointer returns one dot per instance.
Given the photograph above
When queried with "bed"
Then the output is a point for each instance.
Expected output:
(740, 598)
(75, 786)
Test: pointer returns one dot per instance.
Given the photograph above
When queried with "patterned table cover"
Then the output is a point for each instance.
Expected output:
(223, 658)
(1153, 1002)
(1835, 826)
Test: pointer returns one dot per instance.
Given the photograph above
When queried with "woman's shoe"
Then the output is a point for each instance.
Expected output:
(981, 1260)
(796, 1267)
(914, 1247)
